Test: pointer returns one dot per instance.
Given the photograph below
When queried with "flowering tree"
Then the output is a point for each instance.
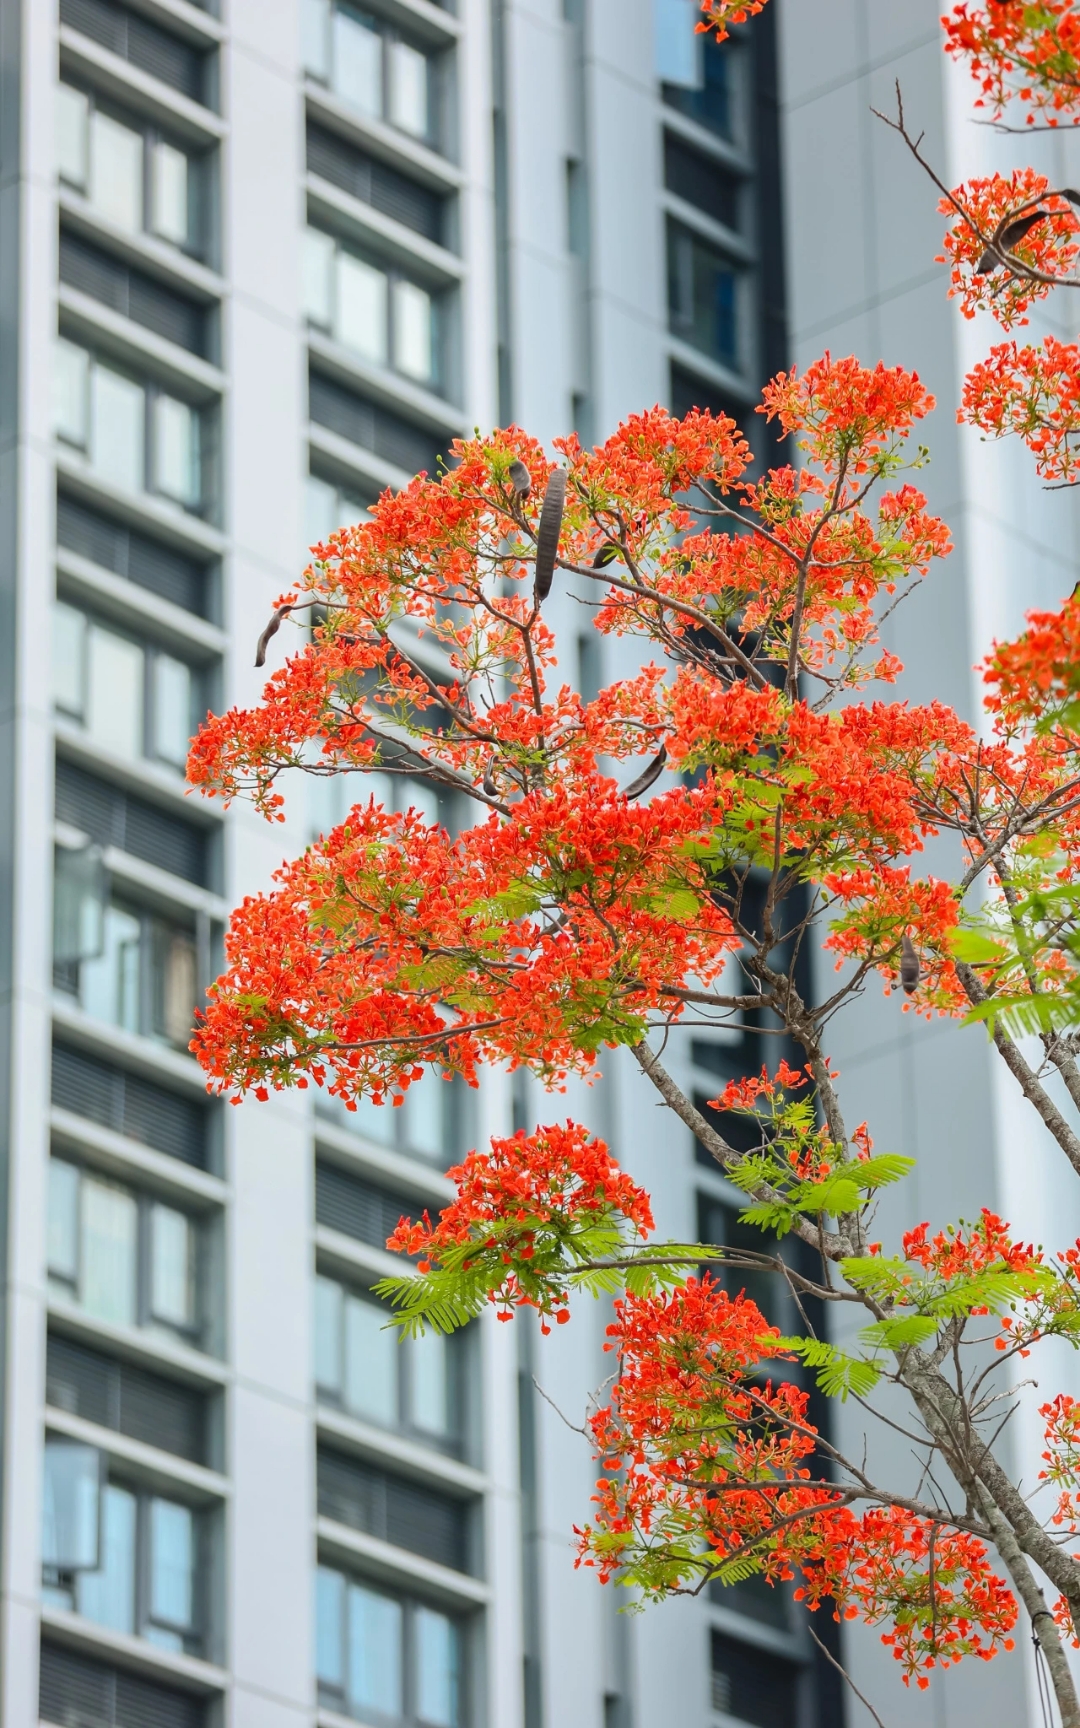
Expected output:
(661, 856)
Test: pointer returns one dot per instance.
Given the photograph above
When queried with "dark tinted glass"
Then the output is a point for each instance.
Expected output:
(703, 295)
(702, 181)
(142, 42)
(372, 426)
(376, 183)
(131, 1105)
(358, 1208)
(120, 1396)
(712, 103)
(113, 817)
(406, 1513)
(753, 1685)
(164, 571)
(76, 1691)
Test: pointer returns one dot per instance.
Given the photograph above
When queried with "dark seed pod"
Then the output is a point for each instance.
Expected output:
(606, 555)
(271, 630)
(1010, 236)
(648, 775)
(910, 970)
(520, 478)
(489, 779)
(547, 538)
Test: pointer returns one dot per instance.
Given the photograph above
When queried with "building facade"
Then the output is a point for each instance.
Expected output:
(258, 260)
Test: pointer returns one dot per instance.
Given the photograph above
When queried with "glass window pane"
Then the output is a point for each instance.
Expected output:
(116, 172)
(172, 1563)
(71, 1502)
(375, 1659)
(109, 983)
(172, 1242)
(429, 1374)
(318, 276)
(80, 888)
(372, 1357)
(117, 428)
(69, 661)
(329, 1614)
(314, 36)
(703, 296)
(70, 392)
(409, 89)
(437, 1669)
(108, 1597)
(173, 688)
(175, 974)
(114, 705)
(169, 193)
(361, 307)
(176, 450)
(423, 1116)
(356, 61)
(72, 126)
(328, 1320)
(63, 1225)
(413, 346)
(320, 508)
(109, 1246)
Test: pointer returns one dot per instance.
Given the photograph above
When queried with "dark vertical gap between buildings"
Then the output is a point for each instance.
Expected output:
(501, 170)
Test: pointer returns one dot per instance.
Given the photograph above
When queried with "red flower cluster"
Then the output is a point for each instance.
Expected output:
(1020, 51)
(1048, 248)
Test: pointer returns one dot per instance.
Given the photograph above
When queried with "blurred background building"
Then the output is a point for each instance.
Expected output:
(258, 260)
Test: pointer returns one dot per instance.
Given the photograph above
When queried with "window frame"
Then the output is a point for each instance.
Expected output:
(200, 1271)
(395, 276)
(194, 1635)
(153, 392)
(434, 135)
(453, 1442)
(680, 233)
(199, 172)
(152, 653)
(410, 1604)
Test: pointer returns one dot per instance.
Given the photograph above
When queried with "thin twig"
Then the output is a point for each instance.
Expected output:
(841, 1670)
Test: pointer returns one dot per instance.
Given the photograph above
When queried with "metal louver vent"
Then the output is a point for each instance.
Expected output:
(754, 1685)
(358, 1208)
(76, 1691)
(133, 293)
(130, 1105)
(140, 41)
(371, 426)
(375, 183)
(130, 1400)
(394, 1509)
(112, 817)
(128, 553)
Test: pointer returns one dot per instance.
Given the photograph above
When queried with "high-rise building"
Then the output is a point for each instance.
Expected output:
(260, 259)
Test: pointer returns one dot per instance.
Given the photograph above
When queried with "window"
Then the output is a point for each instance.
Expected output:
(123, 964)
(377, 183)
(125, 1258)
(370, 308)
(702, 181)
(133, 434)
(129, 174)
(371, 67)
(121, 1556)
(710, 96)
(364, 1365)
(753, 1686)
(144, 44)
(703, 296)
(182, 580)
(386, 1654)
(87, 1085)
(130, 697)
(130, 1400)
(77, 1688)
(394, 1508)
(328, 507)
